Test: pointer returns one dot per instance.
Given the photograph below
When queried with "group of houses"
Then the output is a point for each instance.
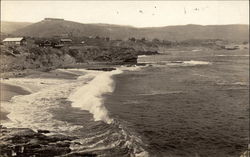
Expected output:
(20, 41)
(56, 43)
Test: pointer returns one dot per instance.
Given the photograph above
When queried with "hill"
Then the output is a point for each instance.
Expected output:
(9, 27)
(187, 32)
(48, 28)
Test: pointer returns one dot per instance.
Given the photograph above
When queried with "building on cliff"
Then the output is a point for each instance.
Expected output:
(14, 41)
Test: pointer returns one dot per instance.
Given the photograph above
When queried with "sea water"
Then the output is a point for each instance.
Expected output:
(174, 106)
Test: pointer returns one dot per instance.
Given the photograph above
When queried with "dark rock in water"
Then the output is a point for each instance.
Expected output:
(147, 53)
(85, 154)
(141, 64)
(130, 60)
(50, 151)
(24, 142)
(60, 137)
(43, 131)
(102, 69)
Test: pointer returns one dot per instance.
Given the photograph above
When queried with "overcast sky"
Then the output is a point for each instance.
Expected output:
(134, 13)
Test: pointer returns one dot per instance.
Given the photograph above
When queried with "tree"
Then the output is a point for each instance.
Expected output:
(155, 40)
(107, 39)
(143, 39)
(132, 39)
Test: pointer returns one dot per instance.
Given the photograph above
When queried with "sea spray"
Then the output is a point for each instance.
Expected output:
(89, 96)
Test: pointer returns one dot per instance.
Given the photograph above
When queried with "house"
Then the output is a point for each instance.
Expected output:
(14, 41)
(47, 43)
(58, 46)
(65, 41)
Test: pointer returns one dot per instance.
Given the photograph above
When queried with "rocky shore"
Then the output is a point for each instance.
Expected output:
(24, 142)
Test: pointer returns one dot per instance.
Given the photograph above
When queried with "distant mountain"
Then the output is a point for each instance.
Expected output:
(185, 32)
(9, 27)
(48, 28)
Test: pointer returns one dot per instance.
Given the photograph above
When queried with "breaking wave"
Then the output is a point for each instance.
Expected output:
(104, 134)
(86, 92)
(89, 96)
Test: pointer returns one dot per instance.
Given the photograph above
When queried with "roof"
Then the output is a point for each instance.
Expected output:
(13, 39)
(66, 40)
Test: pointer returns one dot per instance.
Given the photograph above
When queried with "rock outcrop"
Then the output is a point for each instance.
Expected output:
(24, 142)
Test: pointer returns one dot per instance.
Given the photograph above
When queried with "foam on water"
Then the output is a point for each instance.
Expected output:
(192, 62)
(33, 110)
(89, 96)
(232, 55)
(86, 92)
(156, 62)
(141, 56)
(131, 68)
(196, 50)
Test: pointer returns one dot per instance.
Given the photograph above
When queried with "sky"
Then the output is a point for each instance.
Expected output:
(133, 13)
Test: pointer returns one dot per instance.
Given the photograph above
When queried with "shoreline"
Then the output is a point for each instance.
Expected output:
(43, 70)
(9, 89)
(7, 92)
(41, 142)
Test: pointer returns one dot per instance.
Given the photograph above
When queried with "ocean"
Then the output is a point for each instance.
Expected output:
(189, 103)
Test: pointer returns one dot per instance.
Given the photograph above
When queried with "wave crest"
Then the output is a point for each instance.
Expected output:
(89, 96)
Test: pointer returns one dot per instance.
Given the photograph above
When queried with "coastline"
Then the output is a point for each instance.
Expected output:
(41, 72)
(49, 144)
(9, 89)
(7, 92)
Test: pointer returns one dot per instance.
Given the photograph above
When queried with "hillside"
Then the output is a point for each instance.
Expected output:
(51, 28)
(9, 27)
